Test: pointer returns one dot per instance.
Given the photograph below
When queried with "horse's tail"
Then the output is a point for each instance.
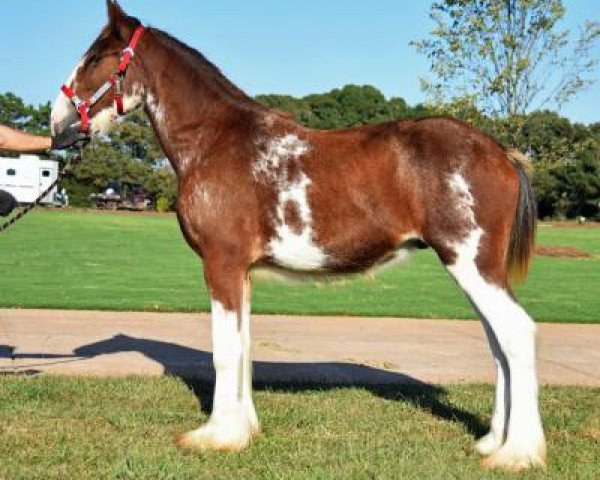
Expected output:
(522, 234)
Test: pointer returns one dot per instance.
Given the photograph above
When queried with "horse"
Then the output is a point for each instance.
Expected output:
(259, 191)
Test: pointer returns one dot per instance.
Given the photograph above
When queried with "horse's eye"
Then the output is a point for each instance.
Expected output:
(95, 60)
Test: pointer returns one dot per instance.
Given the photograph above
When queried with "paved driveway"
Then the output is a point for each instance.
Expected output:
(285, 348)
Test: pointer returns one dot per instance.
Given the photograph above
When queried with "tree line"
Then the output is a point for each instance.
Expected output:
(565, 155)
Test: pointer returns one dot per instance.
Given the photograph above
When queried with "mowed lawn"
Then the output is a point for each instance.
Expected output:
(76, 428)
(89, 260)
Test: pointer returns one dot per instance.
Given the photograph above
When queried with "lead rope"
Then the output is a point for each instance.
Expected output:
(71, 162)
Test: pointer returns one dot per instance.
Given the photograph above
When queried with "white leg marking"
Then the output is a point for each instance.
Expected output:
(514, 331)
(494, 439)
(247, 401)
(230, 426)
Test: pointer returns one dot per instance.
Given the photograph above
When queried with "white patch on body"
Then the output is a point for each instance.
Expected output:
(289, 248)
(203, 194)
(279, 151)
(465, 201)
(465, 205)
(233, 420)
(515, 334)
(157, 111)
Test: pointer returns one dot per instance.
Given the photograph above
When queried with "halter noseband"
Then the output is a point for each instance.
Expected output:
(115, 80)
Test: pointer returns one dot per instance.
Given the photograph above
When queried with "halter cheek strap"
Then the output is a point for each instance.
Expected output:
(115, 80)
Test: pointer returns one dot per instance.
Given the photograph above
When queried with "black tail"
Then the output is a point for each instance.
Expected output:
(522, 234)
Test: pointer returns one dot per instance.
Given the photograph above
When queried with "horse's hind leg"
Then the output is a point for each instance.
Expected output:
(493, 440)
(480, 271)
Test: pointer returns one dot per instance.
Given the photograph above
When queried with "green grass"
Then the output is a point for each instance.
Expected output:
(86, 260)
(124, 429)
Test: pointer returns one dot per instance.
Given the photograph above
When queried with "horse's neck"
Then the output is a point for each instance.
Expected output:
(188, 113)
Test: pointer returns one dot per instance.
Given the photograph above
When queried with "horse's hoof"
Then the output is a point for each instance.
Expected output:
(516, 460)
(224, 433)
(488, 444)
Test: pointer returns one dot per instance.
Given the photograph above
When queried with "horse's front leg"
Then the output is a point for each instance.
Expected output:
(233, 421)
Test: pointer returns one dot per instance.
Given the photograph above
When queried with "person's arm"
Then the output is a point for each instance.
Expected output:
(17, 141)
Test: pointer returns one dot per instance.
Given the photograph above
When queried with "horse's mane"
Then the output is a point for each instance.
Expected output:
(206, 69)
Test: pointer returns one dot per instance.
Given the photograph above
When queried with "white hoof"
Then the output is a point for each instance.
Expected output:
(488, 444)
(517, 459)
(230, 432)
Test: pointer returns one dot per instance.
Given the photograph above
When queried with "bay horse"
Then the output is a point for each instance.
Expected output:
(258, 190)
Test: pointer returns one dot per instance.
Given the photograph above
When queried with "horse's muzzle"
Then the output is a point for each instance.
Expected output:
(67, 137)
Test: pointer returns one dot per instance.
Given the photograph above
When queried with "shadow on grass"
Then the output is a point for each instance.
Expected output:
(195, 368)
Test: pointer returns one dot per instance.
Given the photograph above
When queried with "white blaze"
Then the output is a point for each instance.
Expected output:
(63, 108)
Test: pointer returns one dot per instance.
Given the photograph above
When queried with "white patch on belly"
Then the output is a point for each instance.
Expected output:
(290, 247)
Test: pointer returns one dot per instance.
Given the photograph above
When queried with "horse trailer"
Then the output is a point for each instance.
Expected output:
(27, 176)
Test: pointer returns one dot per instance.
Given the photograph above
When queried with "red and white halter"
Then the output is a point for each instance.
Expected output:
(115, 80)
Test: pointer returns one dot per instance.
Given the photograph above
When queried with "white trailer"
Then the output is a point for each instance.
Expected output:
(27, 176)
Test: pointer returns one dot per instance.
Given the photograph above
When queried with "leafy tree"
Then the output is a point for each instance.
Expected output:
(349, 106)
(15, 113)
(134, 137)
(508, 56)
(566, 158)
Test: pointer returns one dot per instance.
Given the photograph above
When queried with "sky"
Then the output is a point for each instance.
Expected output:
(291, 47)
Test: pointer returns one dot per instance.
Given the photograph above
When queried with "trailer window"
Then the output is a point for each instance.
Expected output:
(45, 173)
(11, 172)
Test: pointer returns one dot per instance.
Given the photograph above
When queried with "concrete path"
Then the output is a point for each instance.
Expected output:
(285, 348)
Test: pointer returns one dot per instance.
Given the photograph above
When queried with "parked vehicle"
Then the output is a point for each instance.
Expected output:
(120, 195)
(27, 176)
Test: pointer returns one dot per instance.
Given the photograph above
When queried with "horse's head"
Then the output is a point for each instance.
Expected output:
(96, 72)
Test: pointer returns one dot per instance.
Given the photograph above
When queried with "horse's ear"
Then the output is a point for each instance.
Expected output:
(115, 13)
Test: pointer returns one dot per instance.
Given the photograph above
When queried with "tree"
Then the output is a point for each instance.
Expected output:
(15, 113)
(508, 56)
(134, 137)
(566, 158)
(349, 106)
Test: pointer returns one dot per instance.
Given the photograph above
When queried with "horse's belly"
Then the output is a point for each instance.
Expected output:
(300, 253)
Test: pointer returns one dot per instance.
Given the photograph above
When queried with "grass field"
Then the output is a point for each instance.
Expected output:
(120, 429)
(86, 260)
